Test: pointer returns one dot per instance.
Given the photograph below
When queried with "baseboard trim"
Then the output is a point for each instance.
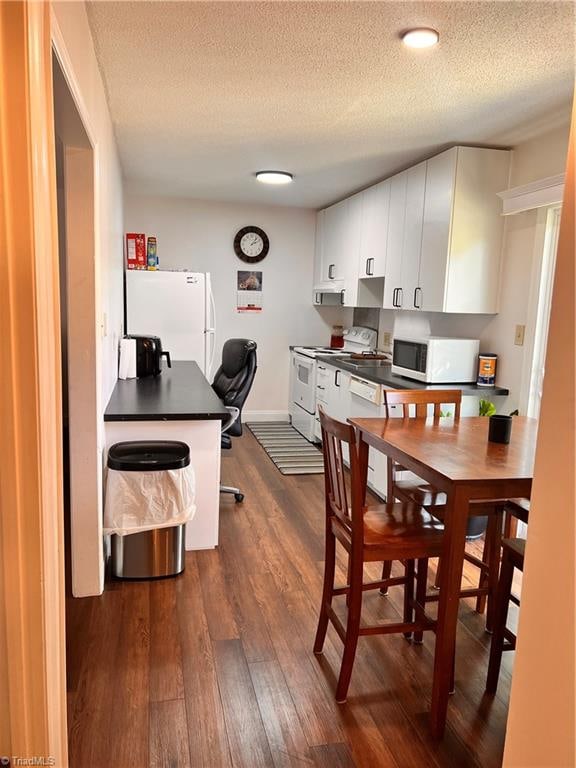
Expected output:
(248, 416)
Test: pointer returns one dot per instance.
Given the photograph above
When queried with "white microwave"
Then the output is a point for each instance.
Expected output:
(436, 360)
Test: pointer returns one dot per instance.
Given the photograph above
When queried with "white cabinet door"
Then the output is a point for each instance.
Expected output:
(351, 250)
(334, 246)
(318, 252)
(438, 201)
(395, 242)
(373, 241)
(415, 186)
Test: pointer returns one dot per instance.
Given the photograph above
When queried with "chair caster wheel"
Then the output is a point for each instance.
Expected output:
(239, 497)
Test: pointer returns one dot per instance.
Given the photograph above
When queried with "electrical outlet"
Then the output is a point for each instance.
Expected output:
(519, 335)
(386, 340)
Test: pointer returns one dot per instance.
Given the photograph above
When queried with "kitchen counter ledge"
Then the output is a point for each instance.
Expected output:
(383, 375)
(180, 393)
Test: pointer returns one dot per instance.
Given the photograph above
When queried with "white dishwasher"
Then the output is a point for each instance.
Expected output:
(367, 402)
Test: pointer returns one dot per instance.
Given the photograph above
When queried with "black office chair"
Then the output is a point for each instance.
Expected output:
(232, 384)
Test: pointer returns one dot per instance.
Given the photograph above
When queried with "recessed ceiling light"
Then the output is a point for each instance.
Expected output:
(420, 38)
(274, 177)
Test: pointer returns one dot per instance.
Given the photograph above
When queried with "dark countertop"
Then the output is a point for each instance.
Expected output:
(383, 375)
(179, 393)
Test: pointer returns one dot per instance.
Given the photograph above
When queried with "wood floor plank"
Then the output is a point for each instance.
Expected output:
(207, 737)
(246, 734)
(285, 735)
(332, 756)
(169, 735)
(89, 710)
(128, 699)
(217, 608)
(166, 677)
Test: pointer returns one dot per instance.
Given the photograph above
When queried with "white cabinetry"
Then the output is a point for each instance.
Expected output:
(462, 231)
(428, 238)
(338, 230)
(335, 232)
(411, 248)
(395, 242)
(373, 237)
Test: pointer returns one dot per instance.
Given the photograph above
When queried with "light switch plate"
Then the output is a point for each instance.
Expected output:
(386, 340)
(519, 335)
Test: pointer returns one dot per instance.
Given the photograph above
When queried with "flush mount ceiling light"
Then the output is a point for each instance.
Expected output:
(423, 37)
(274, 177)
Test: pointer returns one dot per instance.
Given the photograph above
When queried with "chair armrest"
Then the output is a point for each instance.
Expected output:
(234, 413)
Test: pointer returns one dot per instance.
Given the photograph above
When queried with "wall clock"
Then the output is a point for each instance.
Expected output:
(251, 244)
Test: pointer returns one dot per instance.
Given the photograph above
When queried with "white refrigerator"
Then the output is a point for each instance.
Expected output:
(176, 306)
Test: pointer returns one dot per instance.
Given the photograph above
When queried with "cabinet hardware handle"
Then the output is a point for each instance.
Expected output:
(342, 292)
(395, 297)
(337, 378)
(321, 368)
(371, 265)
(367, 266)
(319, 387)
(330, 272)
(416, 304)
(400, 296)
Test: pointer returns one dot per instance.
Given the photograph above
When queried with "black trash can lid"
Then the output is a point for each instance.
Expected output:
(148, 455)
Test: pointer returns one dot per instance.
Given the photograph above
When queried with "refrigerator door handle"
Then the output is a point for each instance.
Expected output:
(212, 331)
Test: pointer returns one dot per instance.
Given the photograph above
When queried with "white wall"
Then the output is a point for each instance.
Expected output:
(523, 240)
(74, 47)
(198, 235)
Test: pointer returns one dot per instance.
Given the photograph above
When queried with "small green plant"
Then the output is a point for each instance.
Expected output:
(486, 408)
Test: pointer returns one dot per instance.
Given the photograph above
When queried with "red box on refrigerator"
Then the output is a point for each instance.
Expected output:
(135, 251)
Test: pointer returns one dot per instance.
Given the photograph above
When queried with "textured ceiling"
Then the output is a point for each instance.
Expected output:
(204, 94)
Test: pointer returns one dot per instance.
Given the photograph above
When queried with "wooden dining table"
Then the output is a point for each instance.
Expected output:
(455, 456)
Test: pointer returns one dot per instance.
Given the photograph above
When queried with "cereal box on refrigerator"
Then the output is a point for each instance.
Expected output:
(135, 251)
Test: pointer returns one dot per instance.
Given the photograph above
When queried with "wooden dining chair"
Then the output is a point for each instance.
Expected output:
(418, 404)
(503, 639)
(376, 533)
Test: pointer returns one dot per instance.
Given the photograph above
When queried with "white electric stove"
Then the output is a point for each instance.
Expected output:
(303, 375)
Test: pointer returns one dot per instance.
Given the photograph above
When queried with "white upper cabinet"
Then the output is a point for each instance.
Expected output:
(462, 231)
(411, 249)
(373, 237)
(473, 249)
(351, 250)
(395, 242)
(438, 202)
(335, 237)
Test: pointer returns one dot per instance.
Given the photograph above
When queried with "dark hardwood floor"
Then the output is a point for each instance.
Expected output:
(215, 668)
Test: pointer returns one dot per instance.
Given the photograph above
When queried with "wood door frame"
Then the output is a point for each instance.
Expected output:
(32, 625)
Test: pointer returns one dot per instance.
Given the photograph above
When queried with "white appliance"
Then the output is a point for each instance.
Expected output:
(437, 360)
(176, 306)
(304, 371)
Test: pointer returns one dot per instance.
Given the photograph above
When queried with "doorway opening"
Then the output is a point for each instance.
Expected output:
(75, 163)
(542, 310)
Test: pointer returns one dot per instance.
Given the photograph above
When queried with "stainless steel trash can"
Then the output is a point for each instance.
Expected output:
(160, 552)
(150, 554)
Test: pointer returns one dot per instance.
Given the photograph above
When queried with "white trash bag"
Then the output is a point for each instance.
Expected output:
(141, 501)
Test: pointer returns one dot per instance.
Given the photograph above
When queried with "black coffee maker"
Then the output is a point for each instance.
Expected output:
(149, 354)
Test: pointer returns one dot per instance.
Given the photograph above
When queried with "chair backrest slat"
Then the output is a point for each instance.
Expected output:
(422, 398)
(334, 435)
